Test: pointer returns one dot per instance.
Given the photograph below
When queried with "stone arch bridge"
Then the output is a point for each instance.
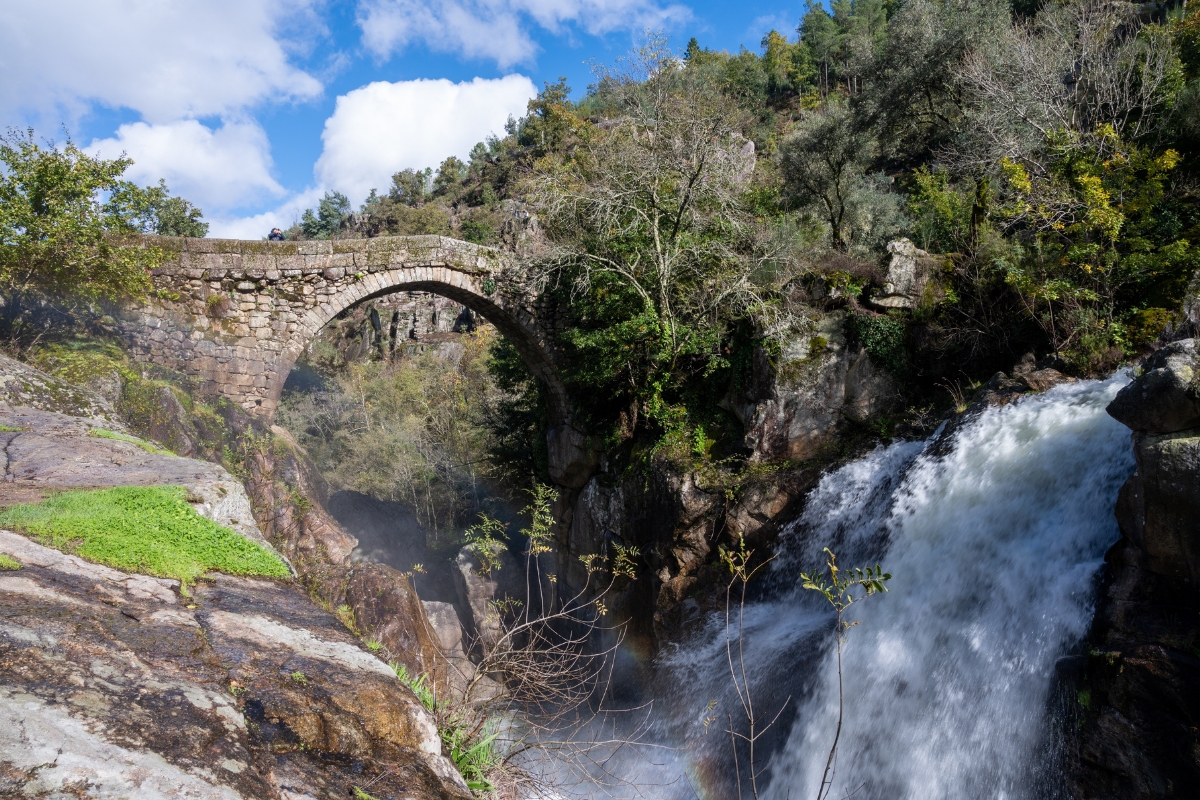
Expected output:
(235, 315)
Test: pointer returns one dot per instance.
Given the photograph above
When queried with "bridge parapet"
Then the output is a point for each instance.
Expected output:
(273, 261)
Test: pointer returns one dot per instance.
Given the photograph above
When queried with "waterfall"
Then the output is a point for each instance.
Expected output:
(994, 536)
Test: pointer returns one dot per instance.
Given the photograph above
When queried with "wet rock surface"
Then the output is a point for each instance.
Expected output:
(113, 685)
(1166, 397)
(1140, 735)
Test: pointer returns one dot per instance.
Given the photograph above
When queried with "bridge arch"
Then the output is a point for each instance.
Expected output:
(235, 315)
(516, 323)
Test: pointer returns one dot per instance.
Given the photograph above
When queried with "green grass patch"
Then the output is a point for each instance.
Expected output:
(148, 529)
(9, 429)
(100, 433)
(7, 562)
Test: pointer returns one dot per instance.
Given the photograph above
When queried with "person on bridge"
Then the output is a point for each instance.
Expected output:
(275, 235)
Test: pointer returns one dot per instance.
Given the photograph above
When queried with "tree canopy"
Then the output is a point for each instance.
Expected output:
(65, 220)
(693, 212)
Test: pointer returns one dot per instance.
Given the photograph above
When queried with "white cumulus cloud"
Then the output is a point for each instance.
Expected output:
(257, 226)
(385, 127)
(499, 29)
(166, 59)
(229, 167)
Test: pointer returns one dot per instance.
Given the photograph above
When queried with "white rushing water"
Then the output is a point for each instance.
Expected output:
(994, 545)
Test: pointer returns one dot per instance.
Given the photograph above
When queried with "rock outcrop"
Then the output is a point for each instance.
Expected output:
(45, 451)
(910, 274)
(26, 387)
(1140, 735)
(822, 379)
(1166, 397)
(478, 590)
(791, 411)
(116, 685)
(113, 685)
(677, 521)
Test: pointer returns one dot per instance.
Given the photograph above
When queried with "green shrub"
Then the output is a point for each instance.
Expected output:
(418, 684)
(8, 563)
(148, 529)
(883, 337)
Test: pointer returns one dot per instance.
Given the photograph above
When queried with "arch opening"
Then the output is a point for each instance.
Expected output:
(527, 341)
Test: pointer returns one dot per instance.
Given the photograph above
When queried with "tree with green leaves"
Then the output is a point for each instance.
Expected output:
(650, 235)
(59, 240)
(411, 186)
(1081, 178)
(154, 210)
(450, 174)
(327, 220)
(788, 65)
(550, 119)
(912, 96)
(820, 32)
(825, 164)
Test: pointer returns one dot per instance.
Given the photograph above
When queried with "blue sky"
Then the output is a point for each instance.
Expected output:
(253, 108)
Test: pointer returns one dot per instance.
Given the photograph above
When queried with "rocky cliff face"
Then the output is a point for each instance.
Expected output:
(399, 321)
(791, 412)
(822, 380)
(117, 685)
(1140, 735)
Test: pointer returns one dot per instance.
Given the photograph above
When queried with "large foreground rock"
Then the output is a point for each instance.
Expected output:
(112, 685)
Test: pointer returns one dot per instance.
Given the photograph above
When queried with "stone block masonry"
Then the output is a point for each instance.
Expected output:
(235, 315)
